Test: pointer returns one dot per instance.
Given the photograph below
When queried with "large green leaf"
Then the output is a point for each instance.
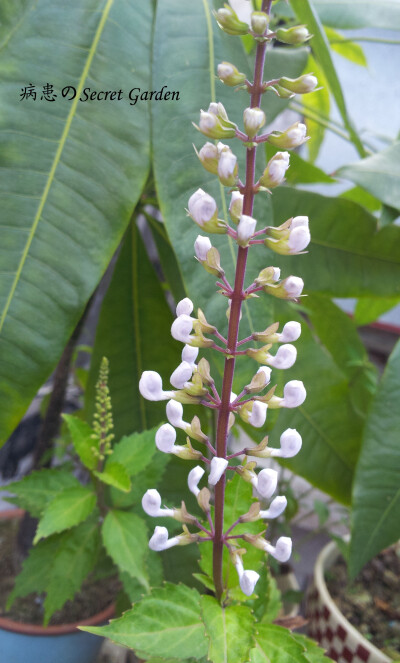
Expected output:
(71, 174)
(229, 630)
(275, 644)
(135, 451)
(369, 309)
(319, 103)
(306, 13)
(376, 494)
(126, 541)
(347, 257)
(36, 490)
(352, 14)
(68, 508)
(378, 174)
(348, 49)
(166, 623)
(134, 333)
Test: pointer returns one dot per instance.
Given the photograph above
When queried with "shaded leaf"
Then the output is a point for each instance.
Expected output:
(348, 49)
(135, 451)
(81, 434)
(229, 631)
(369, 309)
(67, 508)
(115, 474)
(346, 15)
(125, 539)
(319, 104)
(36, 490)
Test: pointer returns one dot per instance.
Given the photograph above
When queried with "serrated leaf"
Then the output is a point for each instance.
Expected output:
(167, 623)
(133, 588)
(376, 491)
(125, 539)
(71, 564)
(151, 475)
(135, 451)
(312, 652)
(229, 630)
(81, 435)
(36, 490)
(68, 508)
(115, 474)
(275, 644)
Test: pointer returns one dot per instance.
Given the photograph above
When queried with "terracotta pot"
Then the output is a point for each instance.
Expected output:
(328, 625)
(51, 644)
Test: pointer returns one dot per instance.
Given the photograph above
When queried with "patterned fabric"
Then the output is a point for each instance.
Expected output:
(341, 645)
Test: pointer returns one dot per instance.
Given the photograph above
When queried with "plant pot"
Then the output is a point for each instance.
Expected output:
(328, 625)
(51, 644)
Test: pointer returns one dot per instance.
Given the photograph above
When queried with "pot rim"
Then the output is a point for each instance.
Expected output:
(61, 629)
(325, 559)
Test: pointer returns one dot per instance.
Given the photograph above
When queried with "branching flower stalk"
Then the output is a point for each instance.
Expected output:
(193, 382)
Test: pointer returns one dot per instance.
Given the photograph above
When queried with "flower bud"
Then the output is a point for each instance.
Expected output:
(187, 452)
(294, 394)
(295, 136)
(165, 438)
(298, 34)
(281, 91)
(159, 541)
(181, 328)
(205, 371)
(245, 230)
(289, 288)
(266, 482)
(290, 332)
(208, 156)
(247, 579)
(282, 550)
(151, 503)
(150, 386)
(183, 516)
(274, 174)
(215, 122)
(227, 168)
(181, 375)
(202, 208)
(229, 22)
(184, 307)
(290, 444)
(201, 247)
(252, 515)
(194, 477)
(229, 74)
(290, 238)
(301, 85)
(203, 499)
(258, 414)
(284, 358)
(259, 22)
(276, 508)
(236, 206)
(217, 468)
(268, 276)
(259, 381)
(254, 119)
(189, 354)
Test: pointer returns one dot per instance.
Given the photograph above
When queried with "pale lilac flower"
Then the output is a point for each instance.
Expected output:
(266, 482)
(290, 332)
(194, 477)
(201, 247)
(294, 394)
(151, 503)
(227, 167)
(284, 358)
(276, 508)
(267, 373)
(290, 442)
(254, 119)
(293, 286)
(182, 327)
(184, 307)
(217, 468)
(150, 386)
(160, 541)
(165, 438)
(247, 579)
(258, 414)
(189, 354)
(202, 207)
(243, 9)
(174, 412)
(282, 550)
(236, 205)
(299, 239)
(246, 229)
(181, 375)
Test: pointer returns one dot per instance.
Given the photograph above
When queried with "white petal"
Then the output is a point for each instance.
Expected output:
(194, 477)
(267, 372)
(184, 307)
(150, 386)
(290, 444)
(181, 328)
(165, 438)
(267, 481)
(276, 508)
(189, 354)
(258, 414)
(299, 239)
(227, 164)
(297, 221)
(282, 550)
(243, 9)
(294, 394)
(201, 247)
(151, 502)
(217, 467)
(294, 286)
(290, 332)
(285, 357)
(246, 227)
(181, 375)
(248, 582)
(175, 413)
(159, 541)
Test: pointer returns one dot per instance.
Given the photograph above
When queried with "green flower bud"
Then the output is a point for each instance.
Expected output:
(281, 91)
(208, 156)
(274, 174)
(229, 74)
(302, 85)
(259, 22)
(229, 22)
(292, 137)
(215, 123)
(289, 288)
(183, 516)
(203, 499)
(268, 275)
(269, 335)
(298, 34)
(254, 119)
(236, 206)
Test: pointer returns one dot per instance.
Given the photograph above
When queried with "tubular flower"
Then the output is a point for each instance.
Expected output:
(247, 579)
(181, 328)
(150, 386)
(194, 477)
(181, 375)
(291, 332)
(253, 119)
(227, 167)
(295, 136)
(265, 482)
(282, 550)
(217, 468)
(201, 247)
(174, 412)
(291, 238)
(151, 503)
(284, 358)
(245, 229)
(276, 508)
(258, 414)
(160, 541)
(274, 174)
(291, 442)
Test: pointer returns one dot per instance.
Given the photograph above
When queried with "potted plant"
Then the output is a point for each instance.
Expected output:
(85, 528)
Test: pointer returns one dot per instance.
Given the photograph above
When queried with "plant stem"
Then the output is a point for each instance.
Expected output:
(233, 328)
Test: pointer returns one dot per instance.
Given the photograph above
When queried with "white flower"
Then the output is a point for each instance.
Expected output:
(217, 468)
(277, 274)
(293, 286)
(227, 167)
(189, 354)
(297, 134)
(150, 386)
(184, 307)
(236, 205)
(165, 438)
(282, 550)
(278, 167)
(284, 358)
(299, 221)
(290, 332)
(181, 375)
(208, 121)
(181, 328)
(247, 579)
(291, 442)
(258, 414)
(245, 229)
(174, 412)
(294, 394)
(151, 503)
(266, 481)
(243, 9)
(225, 70)
(276, 508)
(254, 119)
(159, 541)
(309, 82)
(299, 239)
(267, 372)
(194, 477)
(202, 207)
(201, 247)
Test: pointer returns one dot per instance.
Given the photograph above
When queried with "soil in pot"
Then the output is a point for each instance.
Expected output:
(93, 597)
(371, 603)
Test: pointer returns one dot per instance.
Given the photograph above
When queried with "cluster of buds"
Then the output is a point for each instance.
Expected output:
(192, 381)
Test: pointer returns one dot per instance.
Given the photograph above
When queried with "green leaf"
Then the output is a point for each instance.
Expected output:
(268, 604)
(312, 652)
(151, 475)
(362, 197)
(36, 490)
(378, 174)
(169, 263)
(135, 451)
(369, 309)
(229, 630)
(376, 491)
(126, 541)
(348, 49)
(68, 508)
(275, 644)
(388, 215)
(81, 434)
(346, 15)
(75, 557)
(305, 12)
(167, 623)
(133, 588)
(347, 257)
(319, 104)
(115, 474)
(70, 183)
(134, 324)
